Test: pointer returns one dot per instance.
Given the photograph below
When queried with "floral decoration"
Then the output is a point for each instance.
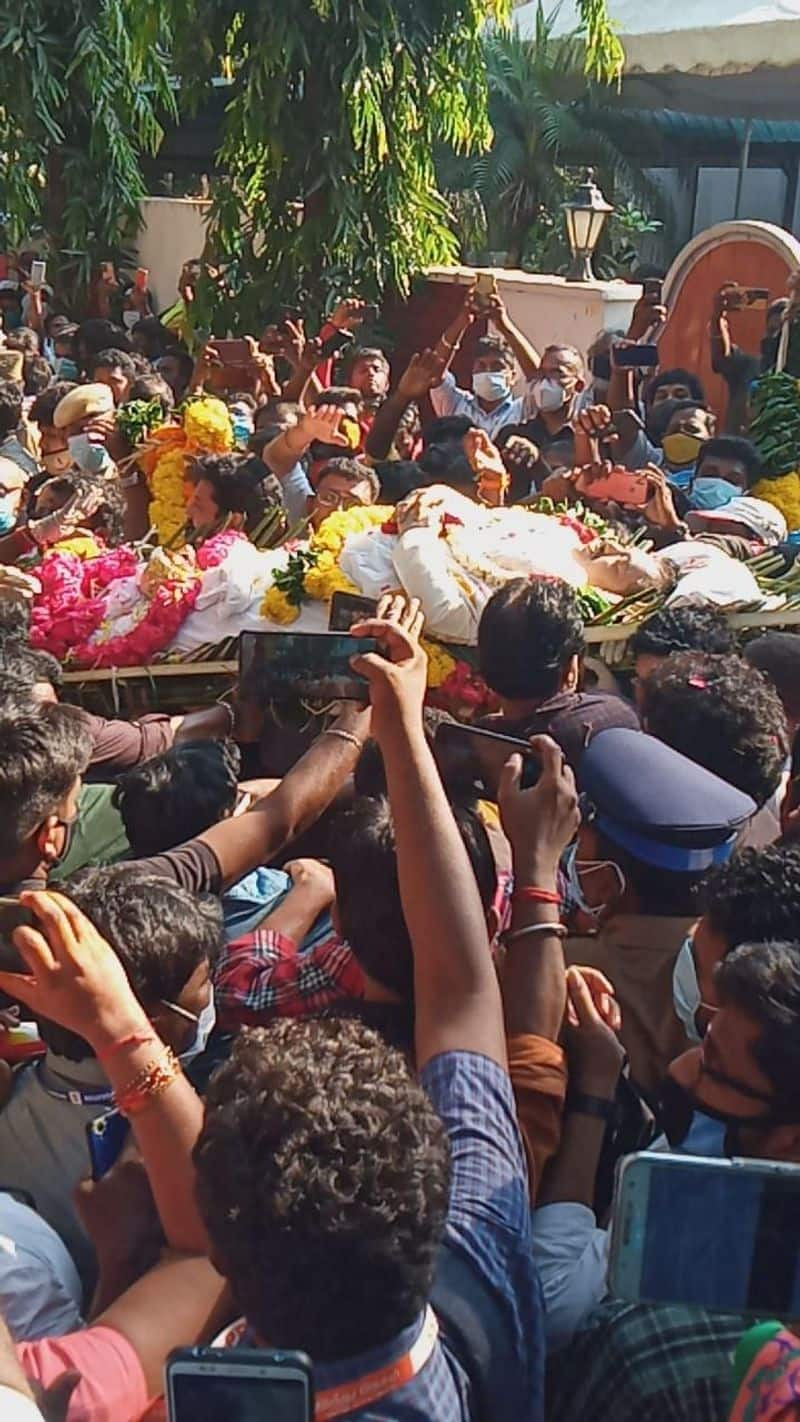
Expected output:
(784, 494)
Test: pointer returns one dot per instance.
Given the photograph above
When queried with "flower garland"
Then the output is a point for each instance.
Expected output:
(784, 494)
(206, 429)
(312, 571)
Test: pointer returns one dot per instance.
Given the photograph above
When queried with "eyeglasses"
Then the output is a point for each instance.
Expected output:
(331, 500)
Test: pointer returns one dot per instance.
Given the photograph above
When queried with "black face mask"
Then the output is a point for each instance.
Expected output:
(677, 1108)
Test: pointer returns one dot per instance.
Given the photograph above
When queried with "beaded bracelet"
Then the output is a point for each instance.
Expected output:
(154, 1078)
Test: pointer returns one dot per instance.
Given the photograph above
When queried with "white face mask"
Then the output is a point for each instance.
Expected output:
(491, 385)
(686, 997)
(575, 868)
(548, 394)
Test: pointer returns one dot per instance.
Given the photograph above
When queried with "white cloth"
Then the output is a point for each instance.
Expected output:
(16, 1408)
(571, 1256)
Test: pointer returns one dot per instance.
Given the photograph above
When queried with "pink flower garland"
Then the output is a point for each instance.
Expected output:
(69, 611)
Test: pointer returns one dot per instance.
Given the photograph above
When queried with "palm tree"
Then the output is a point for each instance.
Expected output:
(548, 120)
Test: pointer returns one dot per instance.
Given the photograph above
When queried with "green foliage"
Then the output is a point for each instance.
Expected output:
(81, 85)
(548, 123)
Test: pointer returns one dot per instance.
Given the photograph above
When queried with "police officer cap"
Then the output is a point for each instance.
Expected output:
(658, 805)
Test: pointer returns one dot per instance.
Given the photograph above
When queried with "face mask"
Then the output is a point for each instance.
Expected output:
(8, 514)
(66, 369)
(204, 1025)
(680, 449)
(58, 462)
(548, 394)
(573, 869)
(491, 385)
(686, 991)
(242, 429)
(92, 458)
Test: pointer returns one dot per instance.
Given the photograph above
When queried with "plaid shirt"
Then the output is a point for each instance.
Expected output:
(264, 975)
(641, 1361)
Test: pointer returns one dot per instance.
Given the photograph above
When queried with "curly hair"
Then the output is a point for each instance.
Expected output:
(691, 628)
(528, 632)
(763, 981)
(495, 346)
(755, 896)
(777, 655)
(723, 715)
(177, 795)
(323, 1178)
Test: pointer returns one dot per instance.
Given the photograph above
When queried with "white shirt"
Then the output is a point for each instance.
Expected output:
(571, 1256)
(449, 399)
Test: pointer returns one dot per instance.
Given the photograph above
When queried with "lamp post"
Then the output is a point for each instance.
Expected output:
(585, 216)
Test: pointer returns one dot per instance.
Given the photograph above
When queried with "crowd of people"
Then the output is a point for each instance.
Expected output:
(331, 1041)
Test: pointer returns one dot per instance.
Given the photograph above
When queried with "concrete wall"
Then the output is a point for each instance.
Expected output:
(173, 231)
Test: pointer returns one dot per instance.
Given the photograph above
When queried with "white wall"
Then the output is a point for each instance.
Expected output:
(173, 232)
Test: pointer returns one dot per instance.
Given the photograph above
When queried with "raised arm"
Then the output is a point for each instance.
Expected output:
(457, 999)
(241, 844)
(423, 372)
(527, 356)
(539, 823)
(284, 452)
(77, 980)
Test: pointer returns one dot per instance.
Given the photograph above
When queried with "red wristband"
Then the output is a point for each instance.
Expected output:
(537, 896)
(136, 1039)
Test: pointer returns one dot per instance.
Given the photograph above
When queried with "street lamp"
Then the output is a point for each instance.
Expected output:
(585, 215)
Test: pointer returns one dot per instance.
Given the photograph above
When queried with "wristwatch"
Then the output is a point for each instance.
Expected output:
(580, 1103)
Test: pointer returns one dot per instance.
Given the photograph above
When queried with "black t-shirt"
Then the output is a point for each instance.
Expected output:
(572, 718)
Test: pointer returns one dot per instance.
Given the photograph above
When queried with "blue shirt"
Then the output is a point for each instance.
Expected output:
(449, 399)
(489, 1229)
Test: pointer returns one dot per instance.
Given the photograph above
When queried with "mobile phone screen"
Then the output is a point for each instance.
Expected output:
(347, 608)
(283, 666)
(205, 1396)
(725, 1239)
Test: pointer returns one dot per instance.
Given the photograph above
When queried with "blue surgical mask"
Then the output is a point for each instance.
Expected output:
(242, 429)
(91, 458)
(686, 997)
(573, 867)
(491, 385)
(8, 514)
(66, 369)
(204, 1025)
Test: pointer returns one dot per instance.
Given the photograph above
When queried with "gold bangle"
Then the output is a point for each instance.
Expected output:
(153, 1078)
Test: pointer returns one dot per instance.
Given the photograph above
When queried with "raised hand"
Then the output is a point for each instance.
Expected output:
(349, 314)
(322, 423)
(595, 1053)
(397, 678)
(542, 821)
(422, 374)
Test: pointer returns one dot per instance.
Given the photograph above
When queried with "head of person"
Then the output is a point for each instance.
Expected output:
(115, 369)
(176, 368)
(397, 479)
(598, 362)
(167, 940)
(24, 339)
(22, 665)
(97, 335)
(493, 370)
(321, 1157)
(44, 750)
(153, 387)
(728, 457)
(687, 628)
(674, 384)
(235, 485)
(10, 407)
(150, 339)
(721, 713)
(654, 823)
(348, 401)
(38, 375)
(108, 520)
(81, 408)
(12, 493)
(61, 332)
(530, 641)
(342, 484)
(689, 426)
(445, 429)
(55, 455)
(277, 416)
(369, 373)
(15, 622)
(368, 910)
(407, 438)
(446, 463)
(558, 382)
(10, 305)
(753, 898)
(777, 656)
(790, 805)
(746, 1071)
(178, 795)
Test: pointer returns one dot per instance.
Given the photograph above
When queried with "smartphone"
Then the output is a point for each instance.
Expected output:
(310, 666)
(141, 278)
(347, 608)
(38, 274)
(239, 1385)
(485, 287)
(233, 352)
(712, 1233)
(480, 754)
(13, 915)
(652, 289)
(619, 486)
(643, 357)
(105, 1137)
(757, 297)
(338, 341)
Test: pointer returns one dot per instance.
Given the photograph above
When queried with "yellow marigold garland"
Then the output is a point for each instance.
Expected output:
(206, 430)
(784, 494)
(276, 606)
(167, 510)
(207, 425)
(337, 528)
(326, 578)
(440, 664)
